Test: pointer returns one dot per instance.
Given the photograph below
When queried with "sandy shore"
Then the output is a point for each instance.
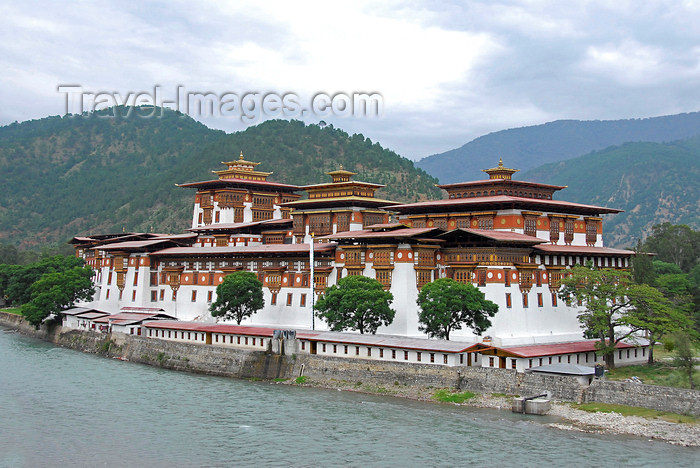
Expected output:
(683, 434)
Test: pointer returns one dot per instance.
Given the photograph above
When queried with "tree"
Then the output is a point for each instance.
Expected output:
(56, 291)
(655, 314)
(447, 305)
(237, 297)
(614, 308)
(677, 244)
(685, 358)
(356, 303)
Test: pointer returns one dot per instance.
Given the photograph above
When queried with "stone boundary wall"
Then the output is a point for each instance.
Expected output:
(478, 379)
(231, 362)
(674, 400)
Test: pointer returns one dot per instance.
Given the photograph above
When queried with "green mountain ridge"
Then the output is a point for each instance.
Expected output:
(652, 182)
(529, 147)
(112, 171)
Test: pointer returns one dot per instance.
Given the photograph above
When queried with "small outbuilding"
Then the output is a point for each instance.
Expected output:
(584, 374)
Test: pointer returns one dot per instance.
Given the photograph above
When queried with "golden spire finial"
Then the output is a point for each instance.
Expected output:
(500, 162)
(341, 167)
(241, 156)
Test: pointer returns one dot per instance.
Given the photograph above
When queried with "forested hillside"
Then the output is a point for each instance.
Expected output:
(652, 182)
(528, 147)
(66, 176)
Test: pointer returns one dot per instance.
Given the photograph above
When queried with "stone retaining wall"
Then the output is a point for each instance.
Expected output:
(230, 362)
(674, 400)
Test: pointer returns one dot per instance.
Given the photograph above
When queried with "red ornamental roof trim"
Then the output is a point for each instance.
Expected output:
(364, 234)
(502, 236)
(232, 181)
(500, 182)
(504, 199)
(248, 250)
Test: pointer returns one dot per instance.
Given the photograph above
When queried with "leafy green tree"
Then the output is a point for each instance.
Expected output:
(16, 280)
(56, 291)
(615, 308)
(238, 296)
(447, 305)
(677, 244)
(356, 303)
(655, 314)
(642, 266)
(685, 357)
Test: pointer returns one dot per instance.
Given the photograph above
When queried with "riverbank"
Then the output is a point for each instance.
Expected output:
(682, 434)
(398, 380)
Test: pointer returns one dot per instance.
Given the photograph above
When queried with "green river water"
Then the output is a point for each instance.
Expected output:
(60, 407)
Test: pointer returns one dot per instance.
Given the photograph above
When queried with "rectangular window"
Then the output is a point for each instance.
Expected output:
(302, 301)
(273, 299)
(246, 340)
(303, 343)
(121, 292)
(509, 304)
(133, 296)
(162, 294)
(136, 278)
(335, 349)
(154, 296)
(578, 359)
(568, 359)
(357, 350)
(619, 354)
(529, 363)
(432, 357)
(540, 361)
(550, 360)
(559, 358)
(393, 354)
(174, 295)
(513, 364)
(554, 299)
(525, 300)
(461, 358)
(323, 347)
(253, 341)
(506, 276)
(289, 299)
(369, 351)
(418, 356)
(444, 358)
(210, 295)
(109, 278)
(405, 355)
(490, 362)
(540, 302)
(194, 296)
(216, 338)
(108, 294)
(345, 350)
(189, 335)
(381, 352)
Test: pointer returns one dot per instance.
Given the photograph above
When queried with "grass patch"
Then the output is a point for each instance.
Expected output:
(448, 396)
(634, 411)
(14, 311)
(302, 379)
(498, 395)
(160, 357)
(279, 380)
(659, 373)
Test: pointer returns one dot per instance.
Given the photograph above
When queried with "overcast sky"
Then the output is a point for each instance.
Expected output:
(448, 72)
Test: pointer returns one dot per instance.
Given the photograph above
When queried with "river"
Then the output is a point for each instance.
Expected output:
(60, 407)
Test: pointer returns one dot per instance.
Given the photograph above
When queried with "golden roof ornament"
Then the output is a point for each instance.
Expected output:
(500, 172)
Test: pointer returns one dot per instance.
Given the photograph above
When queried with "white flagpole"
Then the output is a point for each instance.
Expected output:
(311, 255)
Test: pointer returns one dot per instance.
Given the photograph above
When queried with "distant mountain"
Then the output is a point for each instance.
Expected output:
(528, 147)
(73, 175)
(652, 182)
